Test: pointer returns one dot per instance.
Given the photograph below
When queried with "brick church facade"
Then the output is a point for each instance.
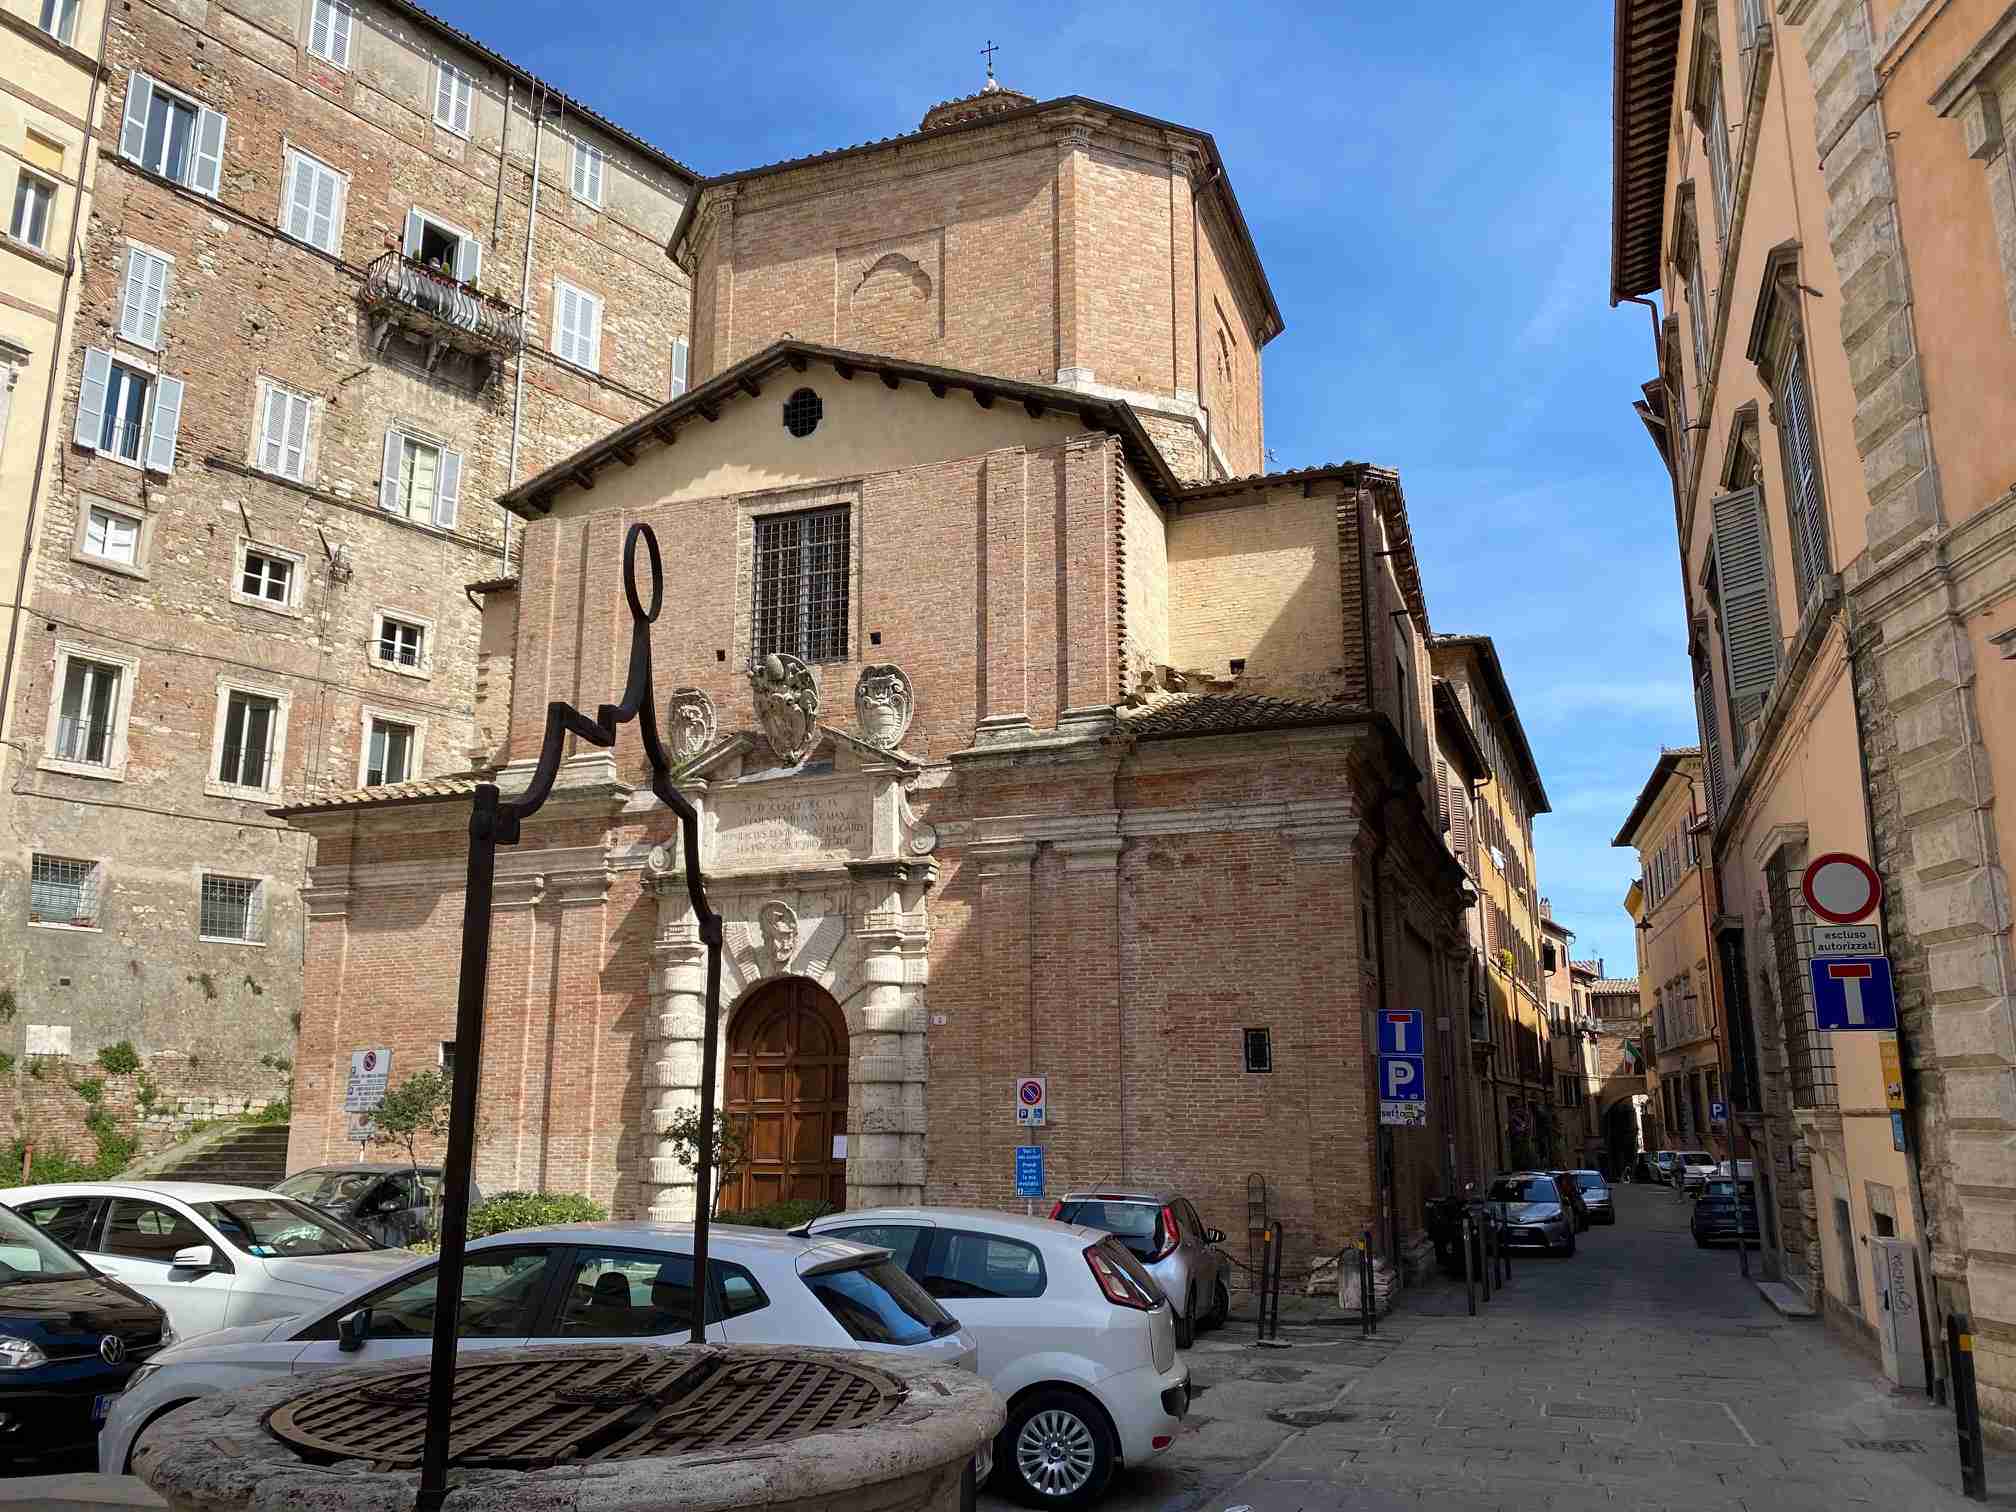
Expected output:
(1032, 730)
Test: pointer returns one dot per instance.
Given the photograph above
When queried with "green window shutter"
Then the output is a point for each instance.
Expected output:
(1749, 621)
(1711, 741)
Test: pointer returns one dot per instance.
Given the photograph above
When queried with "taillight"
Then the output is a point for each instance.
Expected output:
(1056, 1209)
(1171, 1236)
(1118, 1286)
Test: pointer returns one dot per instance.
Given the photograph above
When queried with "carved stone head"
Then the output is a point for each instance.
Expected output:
(787, 705)
(690, 723)
(778, 924)
(883, 703)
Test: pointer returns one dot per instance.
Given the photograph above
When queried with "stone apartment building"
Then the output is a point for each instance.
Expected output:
(1491, 830)
(1820, 191)
(1571, 1043)
(1024, 744)
(348, 275)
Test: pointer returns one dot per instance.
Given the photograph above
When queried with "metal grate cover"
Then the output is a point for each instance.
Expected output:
(577, 1405)
(1886, 1446)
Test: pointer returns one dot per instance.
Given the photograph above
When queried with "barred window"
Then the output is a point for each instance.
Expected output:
(233, 909)
(63, 891)
(801, 585)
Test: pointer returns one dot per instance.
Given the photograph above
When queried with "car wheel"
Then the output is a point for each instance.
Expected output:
(1186, 1322)
(1221, 1303)
(1056, 1450)
(1569, 1252)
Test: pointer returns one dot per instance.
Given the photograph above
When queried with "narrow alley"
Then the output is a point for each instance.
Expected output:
(1641, 1373)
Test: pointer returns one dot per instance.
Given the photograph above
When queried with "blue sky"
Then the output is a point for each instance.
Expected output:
(1431, 199)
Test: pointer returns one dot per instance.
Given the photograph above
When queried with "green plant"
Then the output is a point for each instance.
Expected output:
(413, 1111)
(6, 1064)
(116, 1148)
(38, 1066)
(517, 1210)
(276, 1063)
(273, 1113)
(90, 1088)
(146, 1094)
(9, 1005)
(731, 1145)
(119, 1059)
(204, 980)
(781, 1215)
(46, 1164)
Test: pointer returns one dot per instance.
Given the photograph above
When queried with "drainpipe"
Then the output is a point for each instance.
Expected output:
(503, 153)
(85, 164)
(538, 103)
(1197, 315)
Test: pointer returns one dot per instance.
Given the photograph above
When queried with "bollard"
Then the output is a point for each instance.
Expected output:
(1469, 1266)
(1266, 1266)
(1487, 1265)
(1505, 1262)
(1966, 1407)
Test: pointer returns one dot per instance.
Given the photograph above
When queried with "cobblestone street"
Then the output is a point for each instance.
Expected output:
(1642, 1373)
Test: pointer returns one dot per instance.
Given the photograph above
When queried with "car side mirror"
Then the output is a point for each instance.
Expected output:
(352, 1329)
(1214, 1236)
(197, 1257)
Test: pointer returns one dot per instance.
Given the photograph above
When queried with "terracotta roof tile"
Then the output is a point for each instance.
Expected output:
(386, 795)
(1614, 984)
(1229, 714)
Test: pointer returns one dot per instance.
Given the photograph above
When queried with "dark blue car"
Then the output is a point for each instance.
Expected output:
(70, 1337)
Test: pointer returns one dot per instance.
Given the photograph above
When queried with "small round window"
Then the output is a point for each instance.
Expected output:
(802, 411)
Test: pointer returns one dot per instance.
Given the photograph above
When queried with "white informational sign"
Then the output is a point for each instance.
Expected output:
(839, 1146)
(370, 1074)
(1847, 939)
(1032, 1102)
(359, 1127)
(1403, 1115)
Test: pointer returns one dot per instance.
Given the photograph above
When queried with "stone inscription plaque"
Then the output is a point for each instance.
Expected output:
(786, 829)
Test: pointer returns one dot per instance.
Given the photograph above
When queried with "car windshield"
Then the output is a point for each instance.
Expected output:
(28, 1254)
(880, 1304)
(1524, 1189)
(329, 1188)
(275, 1228)
(1591, 1181)
(1698, 1157)
(1138, 1225)
(1725, 1189)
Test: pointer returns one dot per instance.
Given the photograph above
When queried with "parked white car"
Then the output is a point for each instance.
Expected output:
(211, 1256)
(1074, 1334)
(582, 1283)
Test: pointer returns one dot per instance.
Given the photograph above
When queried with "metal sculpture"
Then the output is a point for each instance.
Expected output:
(494, 822)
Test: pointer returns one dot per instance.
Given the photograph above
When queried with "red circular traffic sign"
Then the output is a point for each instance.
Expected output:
(1030, 1090)
(1840, 888)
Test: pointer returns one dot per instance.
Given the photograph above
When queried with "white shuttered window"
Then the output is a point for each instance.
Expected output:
(172, 135)
(283, 437)
(329, 31)
(577, 326)
(146, 289)
(587, 173)
(421, 481)
(452, 91)
(314, 208)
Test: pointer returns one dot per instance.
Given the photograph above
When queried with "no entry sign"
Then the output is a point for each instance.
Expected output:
(1842, 889)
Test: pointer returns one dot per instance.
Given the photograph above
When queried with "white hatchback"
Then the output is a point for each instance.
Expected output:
(1073, 1331)
(211, 1256)
(581, 1283)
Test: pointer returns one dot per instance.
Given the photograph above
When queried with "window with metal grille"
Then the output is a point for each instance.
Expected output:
(250, 723)
(802, 412)
(1811, 1056)
(89, 708)
(1807, 524)
(269, 578)
(400, 644)
(232, 909)
(801, 585)
(63, 891)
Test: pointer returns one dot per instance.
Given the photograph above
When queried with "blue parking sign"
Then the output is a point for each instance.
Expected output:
(1853, 992)
(1028, 1170)
(1402, 1078)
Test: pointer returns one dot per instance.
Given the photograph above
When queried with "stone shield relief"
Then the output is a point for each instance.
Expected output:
(787, 705)
(884, 704)
(690, 725)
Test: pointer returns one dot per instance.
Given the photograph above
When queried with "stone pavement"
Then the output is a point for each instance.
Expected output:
(1644, 1373)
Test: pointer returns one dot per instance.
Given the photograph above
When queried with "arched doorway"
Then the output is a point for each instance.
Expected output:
(787, 1086)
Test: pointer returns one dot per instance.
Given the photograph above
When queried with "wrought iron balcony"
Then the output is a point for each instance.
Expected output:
(405, 296)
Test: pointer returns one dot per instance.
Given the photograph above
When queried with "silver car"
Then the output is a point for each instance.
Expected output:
(1163, 1231)
(1535, 1213)
(1595, 1189)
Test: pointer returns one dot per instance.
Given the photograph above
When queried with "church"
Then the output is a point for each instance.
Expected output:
(1036, 730)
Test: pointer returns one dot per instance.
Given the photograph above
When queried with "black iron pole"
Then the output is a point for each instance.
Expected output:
(1469, 1266)
(461, 1158)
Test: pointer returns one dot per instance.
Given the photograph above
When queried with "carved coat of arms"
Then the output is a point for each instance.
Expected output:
(787, 705)
(690, 723)
(884, 704)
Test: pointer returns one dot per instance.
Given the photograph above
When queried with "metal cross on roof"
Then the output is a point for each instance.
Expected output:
(988, 52)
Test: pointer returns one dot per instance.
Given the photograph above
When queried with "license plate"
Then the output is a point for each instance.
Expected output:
(102, 1406)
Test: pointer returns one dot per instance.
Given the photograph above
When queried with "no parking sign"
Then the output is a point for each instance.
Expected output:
(1032, 1102)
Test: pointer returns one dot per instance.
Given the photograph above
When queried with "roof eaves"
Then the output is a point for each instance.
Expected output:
(1645, 62)
(497, 60)
(1668, 763)
(1487, 656)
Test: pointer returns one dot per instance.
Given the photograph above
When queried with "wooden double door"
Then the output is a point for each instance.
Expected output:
(787, 1087)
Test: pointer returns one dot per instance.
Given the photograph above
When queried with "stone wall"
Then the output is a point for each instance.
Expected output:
(46, 1099)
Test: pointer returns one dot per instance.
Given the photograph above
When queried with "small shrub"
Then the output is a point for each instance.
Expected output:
(6, 1064)
(90, 1088)
(120, 1059)
(273, 1113)
(780, 1215)
(517, 1210)
(48, 1164)
(276, 1063)
(147, 1094)
(37, 1066)
(9, 1005)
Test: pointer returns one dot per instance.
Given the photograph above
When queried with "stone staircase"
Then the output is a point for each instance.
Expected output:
(253, 1155)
